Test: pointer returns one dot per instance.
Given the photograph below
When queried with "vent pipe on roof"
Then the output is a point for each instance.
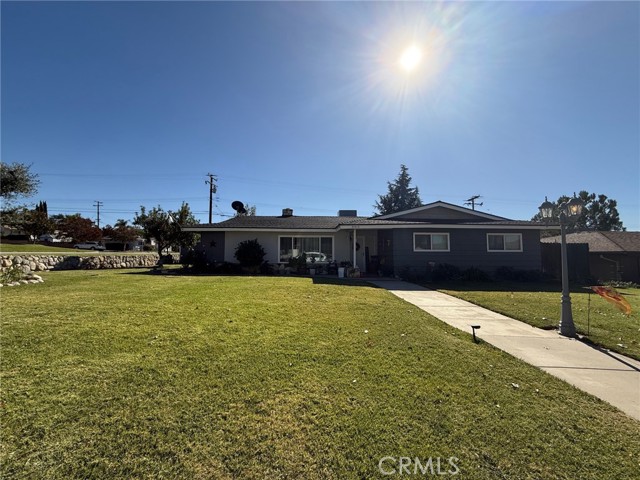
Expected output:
(287, 212)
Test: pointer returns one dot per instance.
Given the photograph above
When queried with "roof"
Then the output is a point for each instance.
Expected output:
(334, 223)
(437, 204)
(602, 242)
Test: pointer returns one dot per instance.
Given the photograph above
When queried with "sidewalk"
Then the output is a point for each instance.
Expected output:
(607, 375)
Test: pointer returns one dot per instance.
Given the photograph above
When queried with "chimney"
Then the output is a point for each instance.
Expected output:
(347, 213)
(287, 212)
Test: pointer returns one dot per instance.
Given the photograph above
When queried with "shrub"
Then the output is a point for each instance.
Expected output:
(515, 275)
(474, 274)
(12, 274)
(298, 264)
(443, 272)
(620, 284)
(250, 253)
(196, 260)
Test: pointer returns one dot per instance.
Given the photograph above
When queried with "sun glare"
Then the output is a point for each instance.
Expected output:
(410, 58)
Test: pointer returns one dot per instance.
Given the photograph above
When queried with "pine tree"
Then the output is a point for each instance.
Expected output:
(599, 212)
(401, 196)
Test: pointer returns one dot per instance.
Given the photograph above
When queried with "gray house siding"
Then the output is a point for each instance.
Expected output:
(212, 243)
(467, 248)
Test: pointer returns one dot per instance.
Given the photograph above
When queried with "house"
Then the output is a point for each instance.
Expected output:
(610, 256)
(407, 242)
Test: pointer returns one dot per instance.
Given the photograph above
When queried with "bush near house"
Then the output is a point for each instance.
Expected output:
(250, 254)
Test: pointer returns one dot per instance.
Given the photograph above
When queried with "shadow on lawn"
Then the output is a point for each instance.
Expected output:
(546, 286)
(317, 279)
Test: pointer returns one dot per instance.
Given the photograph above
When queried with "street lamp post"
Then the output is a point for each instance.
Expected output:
(569, 211)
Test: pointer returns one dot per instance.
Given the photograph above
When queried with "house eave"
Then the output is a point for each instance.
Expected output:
(371, 227)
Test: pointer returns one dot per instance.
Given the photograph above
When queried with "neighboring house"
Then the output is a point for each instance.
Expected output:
(611, 255)
(412, 241)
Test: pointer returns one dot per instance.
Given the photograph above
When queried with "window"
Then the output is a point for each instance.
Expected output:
(320, 248)
(504, 242)
(430, 242)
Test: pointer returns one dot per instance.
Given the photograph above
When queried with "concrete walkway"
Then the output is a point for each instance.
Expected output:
(604, 374)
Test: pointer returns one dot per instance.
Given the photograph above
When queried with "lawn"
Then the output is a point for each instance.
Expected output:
(118, 374)
(539, 305)
(33, 248)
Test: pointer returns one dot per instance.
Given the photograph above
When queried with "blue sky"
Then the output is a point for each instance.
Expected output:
(303, 105)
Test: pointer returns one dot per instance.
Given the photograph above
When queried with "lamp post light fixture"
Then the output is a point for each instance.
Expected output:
(568, 212)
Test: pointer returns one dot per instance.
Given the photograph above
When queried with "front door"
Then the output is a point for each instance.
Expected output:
(360, 254)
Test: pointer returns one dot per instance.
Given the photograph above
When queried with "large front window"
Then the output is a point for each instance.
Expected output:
(430, 242)
(317, 249)
(504, 242)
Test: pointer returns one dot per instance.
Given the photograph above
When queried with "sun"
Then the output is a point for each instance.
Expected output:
(410, 58)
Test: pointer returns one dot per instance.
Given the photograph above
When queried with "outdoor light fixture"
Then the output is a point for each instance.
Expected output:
(473, 329)
(569, 212)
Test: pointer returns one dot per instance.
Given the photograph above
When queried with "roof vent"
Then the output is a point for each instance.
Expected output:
(347, 213)
(287, 212)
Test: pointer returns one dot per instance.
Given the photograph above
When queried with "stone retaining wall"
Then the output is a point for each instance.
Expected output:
(39, 262)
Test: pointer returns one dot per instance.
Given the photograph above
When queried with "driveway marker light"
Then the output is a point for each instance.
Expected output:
(473, 329)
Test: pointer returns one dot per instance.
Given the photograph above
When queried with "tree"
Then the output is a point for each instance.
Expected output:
(79, 228)
(42, 207)
(164, 227)
(17, 180)
(598, 213)
(121, 232)
(250, 211)
(37, 223)
(401, 196)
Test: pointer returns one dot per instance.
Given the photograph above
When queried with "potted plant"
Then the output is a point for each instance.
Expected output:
(344, 265)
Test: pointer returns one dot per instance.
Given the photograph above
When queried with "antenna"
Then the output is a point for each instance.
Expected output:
(238, 206)
(472, 201)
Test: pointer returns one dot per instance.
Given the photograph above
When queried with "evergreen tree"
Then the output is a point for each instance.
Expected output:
(599, 212)
(401, 196)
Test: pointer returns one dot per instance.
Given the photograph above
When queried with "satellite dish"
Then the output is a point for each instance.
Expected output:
(238, 206)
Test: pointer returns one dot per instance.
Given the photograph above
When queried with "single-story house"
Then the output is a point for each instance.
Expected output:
(412, 241)
(611, 256)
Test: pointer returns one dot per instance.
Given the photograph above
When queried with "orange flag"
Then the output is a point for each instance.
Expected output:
(612, 296)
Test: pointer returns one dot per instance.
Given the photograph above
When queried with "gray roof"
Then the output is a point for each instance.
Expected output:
(295, 222)
(603, 241)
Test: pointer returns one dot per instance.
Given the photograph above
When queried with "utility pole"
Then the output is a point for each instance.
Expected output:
(472, 201)
(212, 189)
(98, 205)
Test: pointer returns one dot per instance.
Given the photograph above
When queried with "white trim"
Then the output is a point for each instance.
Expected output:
(319, 237)
(419, 250)
(504, 250)
(437, 204)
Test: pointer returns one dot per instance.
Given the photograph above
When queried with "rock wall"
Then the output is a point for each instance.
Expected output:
(37, 263)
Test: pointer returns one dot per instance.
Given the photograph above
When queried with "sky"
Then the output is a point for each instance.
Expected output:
(305, 105)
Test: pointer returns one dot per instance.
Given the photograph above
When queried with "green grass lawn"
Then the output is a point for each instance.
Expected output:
(117, 374)
(539, 305)
(33, 248)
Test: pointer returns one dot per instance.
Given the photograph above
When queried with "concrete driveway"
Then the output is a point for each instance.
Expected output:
(607, 375)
